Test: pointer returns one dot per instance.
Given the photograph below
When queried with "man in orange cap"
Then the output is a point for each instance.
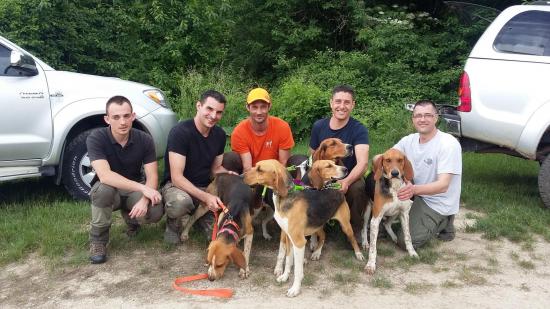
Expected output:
(260, 136)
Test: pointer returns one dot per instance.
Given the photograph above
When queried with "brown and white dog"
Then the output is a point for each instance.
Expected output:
(233, 226)
(391, 170)
(302, 213)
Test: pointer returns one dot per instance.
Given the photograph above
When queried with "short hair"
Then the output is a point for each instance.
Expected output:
(119, 100)
(344, 88)
(425, 103)
(216, 95)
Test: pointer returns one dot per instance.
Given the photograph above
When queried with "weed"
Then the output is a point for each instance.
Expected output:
(418, 287)
(470, 277)
(450, 284)
(381, 282)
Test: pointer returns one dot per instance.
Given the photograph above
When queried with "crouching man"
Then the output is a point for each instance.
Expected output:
(117, 154)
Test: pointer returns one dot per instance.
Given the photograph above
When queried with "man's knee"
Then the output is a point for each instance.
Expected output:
(103, 195)
(176, 202)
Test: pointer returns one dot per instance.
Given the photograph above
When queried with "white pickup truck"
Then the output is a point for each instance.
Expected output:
(46, 116)
(504, 90)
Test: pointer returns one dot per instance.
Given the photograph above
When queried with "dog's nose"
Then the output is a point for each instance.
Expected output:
(394, 173)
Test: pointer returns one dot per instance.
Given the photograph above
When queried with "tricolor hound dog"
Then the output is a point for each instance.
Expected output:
(302, 213)
(391, 170)
(236, 224)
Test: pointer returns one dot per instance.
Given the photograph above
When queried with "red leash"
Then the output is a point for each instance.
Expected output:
(222, 292)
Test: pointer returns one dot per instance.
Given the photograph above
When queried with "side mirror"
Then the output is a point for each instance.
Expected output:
(409, 106)
(23, 63)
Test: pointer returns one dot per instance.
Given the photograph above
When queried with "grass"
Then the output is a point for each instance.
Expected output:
(38, 217)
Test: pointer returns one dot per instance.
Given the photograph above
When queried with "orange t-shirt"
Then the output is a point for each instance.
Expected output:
(262, 147)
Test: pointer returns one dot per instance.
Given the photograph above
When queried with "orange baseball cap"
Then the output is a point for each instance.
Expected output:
(258, 94)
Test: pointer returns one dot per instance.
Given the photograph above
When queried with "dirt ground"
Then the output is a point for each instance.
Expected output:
(468, 272)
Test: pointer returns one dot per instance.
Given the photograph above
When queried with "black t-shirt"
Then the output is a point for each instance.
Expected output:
(353, 133)
(199, 151)
(126, 161)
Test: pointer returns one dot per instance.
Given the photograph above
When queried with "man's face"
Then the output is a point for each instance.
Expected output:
(424, 119)
(210, 112)
(342, 104)
(258, 111)
(120, 118)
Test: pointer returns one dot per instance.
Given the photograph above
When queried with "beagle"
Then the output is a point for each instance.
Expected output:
(232, 227)
(302, 213)
(391, 170)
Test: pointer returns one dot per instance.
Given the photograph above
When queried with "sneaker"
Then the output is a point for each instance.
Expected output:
(132, 230)
(171, 237)
(448, 233)
(98, 253)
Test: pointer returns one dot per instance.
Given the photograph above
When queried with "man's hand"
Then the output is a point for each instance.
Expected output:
(212, 202)
(344, 184)
(152, 194)
(140, 208)
(407, 192)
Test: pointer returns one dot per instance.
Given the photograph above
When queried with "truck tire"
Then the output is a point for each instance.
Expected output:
(77, 170)
(544, 181)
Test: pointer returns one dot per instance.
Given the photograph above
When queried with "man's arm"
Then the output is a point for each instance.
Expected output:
(284, 154)
(113, 179)
(441, 185)
(246, 159)
(362, 157)
(217, 166)
(151, 181)
(177, 166)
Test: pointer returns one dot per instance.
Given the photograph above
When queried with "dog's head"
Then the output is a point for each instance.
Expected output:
(232, 162)
(332, 149)
(220, 254)
(325, 170)
(393, 164)
(272, 174)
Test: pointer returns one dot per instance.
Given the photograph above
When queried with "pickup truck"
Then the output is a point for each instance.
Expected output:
(46, 116)
(504, 98)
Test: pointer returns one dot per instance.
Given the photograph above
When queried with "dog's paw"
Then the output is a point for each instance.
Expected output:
(184, 237)
(365, 245)
(244, 273)
(359, 256)
(313, 242)
(369, 269)
(315, 256)
(293, 291)
(414, 254)
(278, 271)
(283, 278)
(267, 236)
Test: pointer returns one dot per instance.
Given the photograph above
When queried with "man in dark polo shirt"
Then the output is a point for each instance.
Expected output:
(117, 154)
(193, 154)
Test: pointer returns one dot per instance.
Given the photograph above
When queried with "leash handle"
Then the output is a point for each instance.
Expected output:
(222, 292)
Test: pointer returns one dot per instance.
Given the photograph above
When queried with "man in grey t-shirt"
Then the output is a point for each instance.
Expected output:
(437, 162)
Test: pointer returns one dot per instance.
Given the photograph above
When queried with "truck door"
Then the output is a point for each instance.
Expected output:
(25, 112)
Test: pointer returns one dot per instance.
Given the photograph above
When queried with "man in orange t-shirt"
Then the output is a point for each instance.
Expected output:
(260, 136)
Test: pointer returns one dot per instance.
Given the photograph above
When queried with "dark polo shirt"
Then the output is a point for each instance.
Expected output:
(126, 161)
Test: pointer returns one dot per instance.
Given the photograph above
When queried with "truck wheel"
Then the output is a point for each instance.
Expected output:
(77, 170)
(544, 181)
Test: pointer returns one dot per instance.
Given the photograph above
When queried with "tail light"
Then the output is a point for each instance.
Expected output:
(464, 94)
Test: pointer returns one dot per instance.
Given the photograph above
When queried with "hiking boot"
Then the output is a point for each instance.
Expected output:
(172, 231)
(132, 230)
(448, 233)
(98, 253)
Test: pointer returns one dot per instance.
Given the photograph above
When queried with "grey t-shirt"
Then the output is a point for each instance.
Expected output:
(441, 155)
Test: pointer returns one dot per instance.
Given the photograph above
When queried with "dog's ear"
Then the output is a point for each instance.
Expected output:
(315, 178)
(378, 167)
(210, 254)
(238, 258)
(281, 181)
(320, 152)
(409, 172)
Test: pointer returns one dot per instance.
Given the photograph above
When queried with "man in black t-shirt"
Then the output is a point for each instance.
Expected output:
(117, 154)
(193, 154)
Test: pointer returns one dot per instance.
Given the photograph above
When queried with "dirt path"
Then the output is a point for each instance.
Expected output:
(465, 273)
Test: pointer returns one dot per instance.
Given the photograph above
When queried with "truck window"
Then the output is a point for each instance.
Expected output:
(5, 61)
(527, 33)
